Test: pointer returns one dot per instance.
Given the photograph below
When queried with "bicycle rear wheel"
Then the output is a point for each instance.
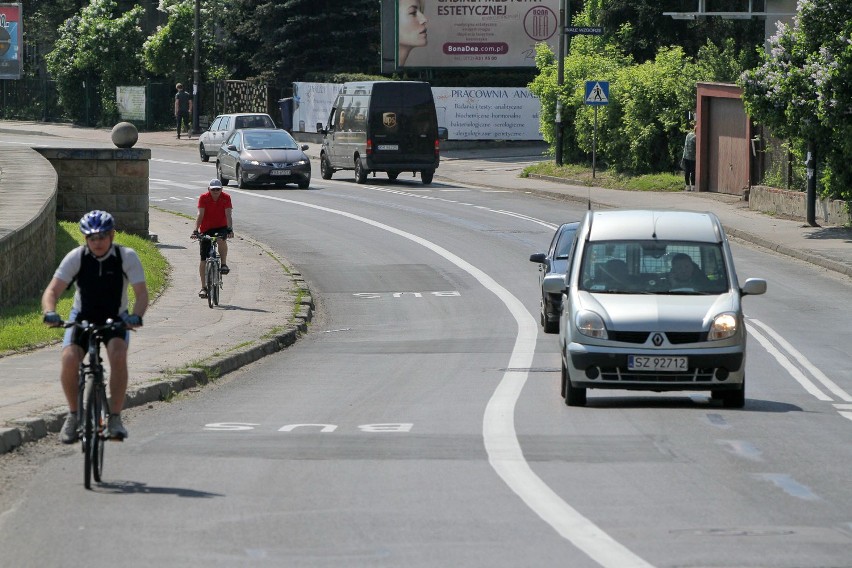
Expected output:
(100, 435)
(89, 431)
(210, 282)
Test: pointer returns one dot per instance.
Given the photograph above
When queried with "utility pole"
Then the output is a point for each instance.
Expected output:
(560, 77)
(810, 164)
(196, 71)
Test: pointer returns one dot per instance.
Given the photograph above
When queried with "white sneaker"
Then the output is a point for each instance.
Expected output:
(69, 432)
(115, 428)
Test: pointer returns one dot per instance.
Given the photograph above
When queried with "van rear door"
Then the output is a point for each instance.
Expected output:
(403, 126)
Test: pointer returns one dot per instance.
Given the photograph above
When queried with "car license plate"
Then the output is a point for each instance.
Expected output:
(388, 146)
(280, 172)
(664, 364)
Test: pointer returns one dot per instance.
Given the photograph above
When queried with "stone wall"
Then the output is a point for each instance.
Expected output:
(112, 179)
(43, 185)
(793, 205)
(27, 224)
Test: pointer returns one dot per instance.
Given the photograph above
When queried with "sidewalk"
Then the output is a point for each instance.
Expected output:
(180, 330)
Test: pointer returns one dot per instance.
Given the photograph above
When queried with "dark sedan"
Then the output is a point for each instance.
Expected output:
(260, 156)
(554, 265)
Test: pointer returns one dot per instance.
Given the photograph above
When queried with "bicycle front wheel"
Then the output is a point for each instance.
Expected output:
(211, 283)
(99, 441)
(218, 285)
(89, 431)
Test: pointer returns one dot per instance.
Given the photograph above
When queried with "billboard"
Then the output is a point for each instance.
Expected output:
(11, 37)
(466, 33)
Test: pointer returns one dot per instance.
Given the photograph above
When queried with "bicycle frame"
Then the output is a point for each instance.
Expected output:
(212, 270)
(92, 403)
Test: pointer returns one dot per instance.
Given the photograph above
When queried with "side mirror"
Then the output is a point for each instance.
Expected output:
(305, 147)
(232, 147)
(443, 133)
(753, 287)
(553, 284)
(539, 257)
(320, 128)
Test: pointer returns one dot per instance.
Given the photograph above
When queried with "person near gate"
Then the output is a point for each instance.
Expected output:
(688, 160)
(183, 110)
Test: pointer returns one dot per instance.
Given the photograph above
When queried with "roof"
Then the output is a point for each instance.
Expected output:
(647, 224)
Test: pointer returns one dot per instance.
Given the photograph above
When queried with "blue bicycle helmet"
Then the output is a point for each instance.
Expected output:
(96, 222)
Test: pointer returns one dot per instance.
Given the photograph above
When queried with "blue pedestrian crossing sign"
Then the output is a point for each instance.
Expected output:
(597, 93)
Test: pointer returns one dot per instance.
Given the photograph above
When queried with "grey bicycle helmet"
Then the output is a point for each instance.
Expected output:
(96, 221)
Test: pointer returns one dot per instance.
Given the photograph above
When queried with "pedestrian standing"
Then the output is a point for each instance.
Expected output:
(183, 109)
(688, 160)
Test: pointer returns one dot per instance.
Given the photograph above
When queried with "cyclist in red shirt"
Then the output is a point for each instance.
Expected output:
(214, 219)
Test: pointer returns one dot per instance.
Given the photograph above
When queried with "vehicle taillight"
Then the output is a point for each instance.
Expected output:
(369, 146)
(437, 147)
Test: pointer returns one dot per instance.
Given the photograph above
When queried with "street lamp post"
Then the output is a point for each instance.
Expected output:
(196, 72)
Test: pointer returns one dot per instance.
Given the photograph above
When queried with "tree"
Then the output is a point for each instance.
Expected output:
(803, 88)
(282, 41)
(170, 50)
(99, 47)
(640, 28)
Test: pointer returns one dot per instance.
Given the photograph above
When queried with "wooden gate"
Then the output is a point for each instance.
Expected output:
(724, 133)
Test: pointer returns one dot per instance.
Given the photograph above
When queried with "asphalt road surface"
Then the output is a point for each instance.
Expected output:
(419, 422)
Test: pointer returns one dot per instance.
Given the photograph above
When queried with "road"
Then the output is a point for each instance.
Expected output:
(419, 422)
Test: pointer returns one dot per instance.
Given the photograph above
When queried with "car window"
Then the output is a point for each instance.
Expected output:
(236, 140)
(563, 245)
(653, 267)
(226, 121)
(278, 139)
(215, 125)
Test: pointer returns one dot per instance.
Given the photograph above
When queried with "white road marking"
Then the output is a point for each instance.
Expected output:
(804, 361)
(790, 368)
(501, 441)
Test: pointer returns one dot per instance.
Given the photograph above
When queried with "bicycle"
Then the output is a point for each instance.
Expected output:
(212, 271)
(92, 403)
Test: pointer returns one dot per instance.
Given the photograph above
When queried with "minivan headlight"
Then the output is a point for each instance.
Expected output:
(590, 324)
(724, 326)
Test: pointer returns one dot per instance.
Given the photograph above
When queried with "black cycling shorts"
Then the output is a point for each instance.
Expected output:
(220, 232)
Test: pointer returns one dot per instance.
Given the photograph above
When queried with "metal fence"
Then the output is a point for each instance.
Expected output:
(38, 100)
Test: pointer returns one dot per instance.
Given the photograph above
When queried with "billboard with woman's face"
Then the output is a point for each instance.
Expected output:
(469, 33)
(11, 32)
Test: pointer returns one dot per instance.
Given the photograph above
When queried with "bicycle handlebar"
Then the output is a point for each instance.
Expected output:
(110, 325)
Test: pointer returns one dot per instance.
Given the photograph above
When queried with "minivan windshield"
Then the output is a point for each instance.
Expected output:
(653, 267)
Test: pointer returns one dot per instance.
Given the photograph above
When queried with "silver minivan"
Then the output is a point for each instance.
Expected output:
(651, 301)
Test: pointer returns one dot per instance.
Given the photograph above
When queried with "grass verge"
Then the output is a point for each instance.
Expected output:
(582, 175)
(21, 327)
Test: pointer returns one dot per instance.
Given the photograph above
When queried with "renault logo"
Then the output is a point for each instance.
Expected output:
(657, 339)
(389, 119)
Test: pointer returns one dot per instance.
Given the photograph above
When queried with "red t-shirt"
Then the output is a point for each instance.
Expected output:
(214, 211)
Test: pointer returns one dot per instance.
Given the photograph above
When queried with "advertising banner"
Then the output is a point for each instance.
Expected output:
(468, 113)
(488, 113)
(313, 102)
(474, 33)
(11, 41)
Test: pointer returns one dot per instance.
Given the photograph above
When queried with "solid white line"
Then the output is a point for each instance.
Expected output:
(817, 374)
(792, 369)
(501, 441)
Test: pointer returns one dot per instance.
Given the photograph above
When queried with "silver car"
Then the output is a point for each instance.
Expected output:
(224, 125)
(553, 265)
(651, 301)
(263, 156)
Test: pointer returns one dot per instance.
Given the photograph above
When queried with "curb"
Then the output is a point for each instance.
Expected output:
(30, 429)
